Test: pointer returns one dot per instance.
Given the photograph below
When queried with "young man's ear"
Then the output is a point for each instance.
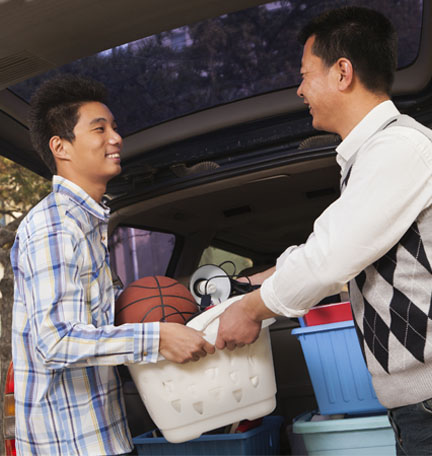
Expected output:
(345, 72)
(59, 148)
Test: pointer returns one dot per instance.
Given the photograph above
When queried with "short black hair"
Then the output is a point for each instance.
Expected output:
(363, 36)
(54, 110)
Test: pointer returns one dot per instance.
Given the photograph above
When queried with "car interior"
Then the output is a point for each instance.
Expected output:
(247, 175)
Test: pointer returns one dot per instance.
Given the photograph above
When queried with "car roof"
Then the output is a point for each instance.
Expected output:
(38, 35)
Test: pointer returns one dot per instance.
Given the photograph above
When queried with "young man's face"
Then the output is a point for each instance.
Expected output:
(317, 88)
(95, 151)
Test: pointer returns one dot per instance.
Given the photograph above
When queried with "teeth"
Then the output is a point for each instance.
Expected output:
(113, 155)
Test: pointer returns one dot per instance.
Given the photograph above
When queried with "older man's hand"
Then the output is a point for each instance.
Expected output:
(240, 324)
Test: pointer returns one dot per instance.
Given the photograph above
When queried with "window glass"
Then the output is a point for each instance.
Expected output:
(137, 253)
(231, 263)
(219, 60)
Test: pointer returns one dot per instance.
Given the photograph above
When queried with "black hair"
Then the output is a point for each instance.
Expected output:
(364, 36)
(54, 110)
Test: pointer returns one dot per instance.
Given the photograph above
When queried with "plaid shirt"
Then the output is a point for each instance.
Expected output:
(68, 393)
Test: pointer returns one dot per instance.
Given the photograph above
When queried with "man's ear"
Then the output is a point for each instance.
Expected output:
(345, 73)
(59, 148)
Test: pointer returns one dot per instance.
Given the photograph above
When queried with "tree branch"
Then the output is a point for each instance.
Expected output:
(12, 226)
(7, 238)
(10, 212)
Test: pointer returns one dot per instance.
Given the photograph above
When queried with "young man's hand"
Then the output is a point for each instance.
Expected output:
(180, 344)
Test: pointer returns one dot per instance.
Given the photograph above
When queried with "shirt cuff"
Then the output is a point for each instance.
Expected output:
(273, 303)
(146, 342)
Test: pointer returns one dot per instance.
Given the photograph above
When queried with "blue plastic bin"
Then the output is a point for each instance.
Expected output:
(262, 440)
(363, 436)
(341, 381)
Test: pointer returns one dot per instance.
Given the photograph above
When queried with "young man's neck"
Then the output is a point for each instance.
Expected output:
(93, 189)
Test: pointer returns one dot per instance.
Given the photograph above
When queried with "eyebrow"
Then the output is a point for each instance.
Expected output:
(102, 119)
(98, 119)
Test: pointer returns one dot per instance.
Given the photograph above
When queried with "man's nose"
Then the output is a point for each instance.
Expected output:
(115, 138)
(300, 90)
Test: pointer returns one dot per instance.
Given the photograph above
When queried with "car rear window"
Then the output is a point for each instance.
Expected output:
(219, 60)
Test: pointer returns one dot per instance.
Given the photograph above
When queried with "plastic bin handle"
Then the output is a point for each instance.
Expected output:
(208, 321)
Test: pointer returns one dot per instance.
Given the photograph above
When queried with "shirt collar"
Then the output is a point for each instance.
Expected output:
(367, 127)
(77, 194)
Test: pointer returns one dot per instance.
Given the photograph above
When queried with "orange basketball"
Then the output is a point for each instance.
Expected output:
(155, 298)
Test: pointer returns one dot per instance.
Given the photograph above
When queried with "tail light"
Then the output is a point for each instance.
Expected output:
(9, 414)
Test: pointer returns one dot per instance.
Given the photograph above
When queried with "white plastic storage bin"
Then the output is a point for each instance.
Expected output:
(362, 436)
(185, 400)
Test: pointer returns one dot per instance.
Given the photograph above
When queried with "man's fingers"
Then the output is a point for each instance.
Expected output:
(209, 348)
(231, 346)
(220, 343)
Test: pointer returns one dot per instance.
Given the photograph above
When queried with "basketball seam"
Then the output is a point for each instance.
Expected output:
(176, 312)
(152, 297)
(162, 304)
(147, 287)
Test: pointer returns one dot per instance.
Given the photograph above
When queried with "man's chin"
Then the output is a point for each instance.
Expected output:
(118, 170)
(316, 123)
(115, 173)
(319, 126)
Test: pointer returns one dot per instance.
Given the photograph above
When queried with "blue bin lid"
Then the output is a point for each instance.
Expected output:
(321, 328)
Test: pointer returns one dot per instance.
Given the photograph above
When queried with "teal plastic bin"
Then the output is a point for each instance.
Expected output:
(262, 440)
(361, 436)
(337, 369)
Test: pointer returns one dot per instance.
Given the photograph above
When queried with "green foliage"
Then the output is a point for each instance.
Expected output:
(20, 189)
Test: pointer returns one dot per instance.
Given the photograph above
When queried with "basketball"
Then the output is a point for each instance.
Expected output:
(155, 298)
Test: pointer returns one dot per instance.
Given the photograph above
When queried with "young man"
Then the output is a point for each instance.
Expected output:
(377, 235)
(64, 343)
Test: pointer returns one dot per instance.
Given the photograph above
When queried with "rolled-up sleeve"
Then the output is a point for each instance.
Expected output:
(389, 186)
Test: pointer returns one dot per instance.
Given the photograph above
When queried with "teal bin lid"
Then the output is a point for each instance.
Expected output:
(303, 425)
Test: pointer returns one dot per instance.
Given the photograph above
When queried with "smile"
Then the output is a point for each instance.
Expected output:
(116, 155)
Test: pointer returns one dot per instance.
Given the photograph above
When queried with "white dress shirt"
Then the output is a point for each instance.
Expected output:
(389, 185)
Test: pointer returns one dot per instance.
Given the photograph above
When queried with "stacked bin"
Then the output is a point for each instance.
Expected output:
(259, 441)
(342, 386)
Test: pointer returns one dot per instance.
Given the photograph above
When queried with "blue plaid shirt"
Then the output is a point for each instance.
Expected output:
(68, 393)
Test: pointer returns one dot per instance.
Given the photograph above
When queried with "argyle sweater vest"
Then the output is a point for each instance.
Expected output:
(392, 307)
